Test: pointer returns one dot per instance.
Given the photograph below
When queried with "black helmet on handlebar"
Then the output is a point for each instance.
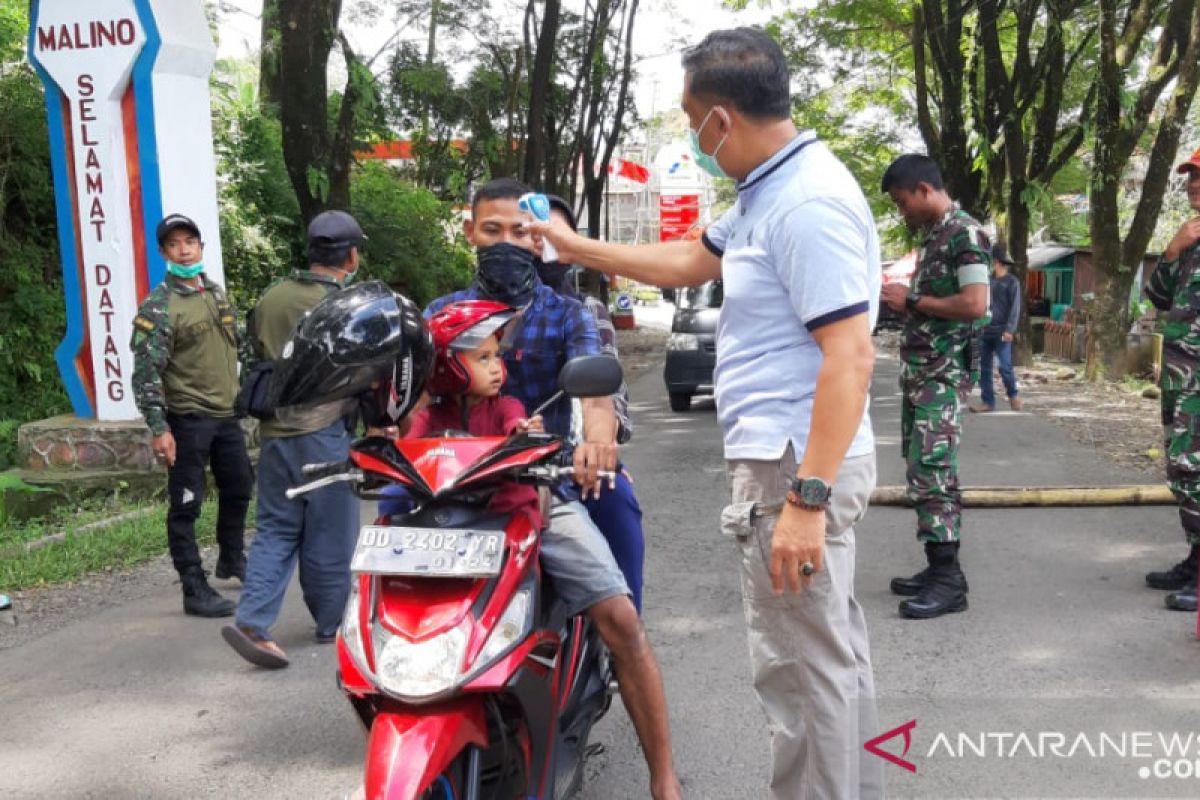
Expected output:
(365, 342)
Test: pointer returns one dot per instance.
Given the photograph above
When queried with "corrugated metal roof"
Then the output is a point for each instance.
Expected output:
(1043, 254)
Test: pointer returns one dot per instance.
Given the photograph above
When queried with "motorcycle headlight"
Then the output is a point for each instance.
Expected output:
(351, 630)
(421, 669)
(683, 341)
(512, 627)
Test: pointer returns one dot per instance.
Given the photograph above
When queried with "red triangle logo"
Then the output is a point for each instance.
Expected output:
(904, 730)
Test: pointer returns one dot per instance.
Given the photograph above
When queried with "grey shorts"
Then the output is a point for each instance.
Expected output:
(578, 560)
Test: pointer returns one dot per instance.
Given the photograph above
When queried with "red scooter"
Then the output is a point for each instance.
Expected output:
(469, 679)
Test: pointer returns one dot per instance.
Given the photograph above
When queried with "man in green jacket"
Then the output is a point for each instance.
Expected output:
(185, 379)
(319, 529)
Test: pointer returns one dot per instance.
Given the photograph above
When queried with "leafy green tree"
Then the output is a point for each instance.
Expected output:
(1148, 76)
(32, 315)
(261, 233)
(414, 241)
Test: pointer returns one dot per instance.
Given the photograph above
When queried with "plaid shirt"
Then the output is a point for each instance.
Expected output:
(552, 330)
(608, 346)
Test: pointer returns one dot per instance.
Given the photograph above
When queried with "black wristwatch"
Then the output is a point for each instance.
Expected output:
(812, 494)
(911, 301)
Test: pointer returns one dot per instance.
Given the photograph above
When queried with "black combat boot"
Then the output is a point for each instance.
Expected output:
(945, 588)
(231, 566)
(910, 587)
(199, 599)
(1184, 599)
(1178, 576)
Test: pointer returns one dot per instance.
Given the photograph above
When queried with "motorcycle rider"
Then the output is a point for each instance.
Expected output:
(551, 330)
(616, 512)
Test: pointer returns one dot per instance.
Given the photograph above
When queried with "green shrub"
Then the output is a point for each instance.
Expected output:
(414, 242)
(32, 314)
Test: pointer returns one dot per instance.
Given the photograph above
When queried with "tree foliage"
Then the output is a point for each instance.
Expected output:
(32, 315)
(546, 98)
(1148, 76)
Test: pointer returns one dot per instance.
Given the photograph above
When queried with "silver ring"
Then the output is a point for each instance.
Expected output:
(807, 568)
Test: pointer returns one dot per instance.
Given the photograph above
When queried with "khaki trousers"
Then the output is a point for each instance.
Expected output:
(809, 652)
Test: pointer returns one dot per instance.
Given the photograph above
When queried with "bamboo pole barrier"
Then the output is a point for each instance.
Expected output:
(1042, 497)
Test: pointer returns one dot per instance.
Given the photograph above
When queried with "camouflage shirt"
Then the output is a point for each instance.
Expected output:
(1174, 289)
(955, 253)
(185, 352)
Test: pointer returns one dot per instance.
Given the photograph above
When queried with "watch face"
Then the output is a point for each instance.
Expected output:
(814, 492)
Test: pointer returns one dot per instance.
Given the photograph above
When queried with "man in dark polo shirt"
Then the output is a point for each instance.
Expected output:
(185, 379)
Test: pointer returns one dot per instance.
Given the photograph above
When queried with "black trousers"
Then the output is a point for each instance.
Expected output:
(217, 442)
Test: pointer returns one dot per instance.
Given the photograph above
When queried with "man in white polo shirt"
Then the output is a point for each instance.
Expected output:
(799, 256)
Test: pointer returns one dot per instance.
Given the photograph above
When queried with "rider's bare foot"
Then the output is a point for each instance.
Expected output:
(666, 789)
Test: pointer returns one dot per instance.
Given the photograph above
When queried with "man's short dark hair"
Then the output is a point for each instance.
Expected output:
(334, 256)
(499, 189)
(741, 67)
(909, 170)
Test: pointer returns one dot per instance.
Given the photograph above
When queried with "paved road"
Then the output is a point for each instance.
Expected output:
(1061, 637)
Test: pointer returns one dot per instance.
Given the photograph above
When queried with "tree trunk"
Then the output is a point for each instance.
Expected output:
(268, 58)
(540, 85)
(1118, 132)
(430, 53)
(307, 32)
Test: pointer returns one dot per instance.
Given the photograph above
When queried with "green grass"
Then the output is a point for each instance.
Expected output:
(1135, 385)
(118, 546)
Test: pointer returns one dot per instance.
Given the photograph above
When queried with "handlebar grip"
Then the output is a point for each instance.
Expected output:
(324, 468)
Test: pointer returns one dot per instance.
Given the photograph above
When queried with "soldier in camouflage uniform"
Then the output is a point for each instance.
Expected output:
(943, 309)
(185, 379)
(1174, 289)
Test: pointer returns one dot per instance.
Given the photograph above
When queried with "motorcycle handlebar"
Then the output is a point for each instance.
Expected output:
(322, 469)
(551, 472)
(354, 476)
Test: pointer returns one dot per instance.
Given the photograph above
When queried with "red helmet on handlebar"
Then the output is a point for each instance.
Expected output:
(458, 328)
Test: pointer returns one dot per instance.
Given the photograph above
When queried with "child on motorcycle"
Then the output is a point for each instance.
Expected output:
(468, 373)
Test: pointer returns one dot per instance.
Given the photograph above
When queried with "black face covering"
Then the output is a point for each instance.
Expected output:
(553, 274)
(506, 274)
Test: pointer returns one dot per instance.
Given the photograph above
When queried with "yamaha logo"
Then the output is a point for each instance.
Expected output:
(441, 451)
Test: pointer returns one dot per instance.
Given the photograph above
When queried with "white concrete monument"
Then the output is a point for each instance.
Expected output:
(131, 141)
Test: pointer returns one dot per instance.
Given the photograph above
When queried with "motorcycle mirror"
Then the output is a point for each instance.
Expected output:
(590, 376)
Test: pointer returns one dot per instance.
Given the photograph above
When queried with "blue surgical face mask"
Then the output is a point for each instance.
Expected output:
(185, 272)
(706, 161)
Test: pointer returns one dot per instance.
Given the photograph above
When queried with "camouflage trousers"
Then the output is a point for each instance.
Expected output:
(931, 428)
(1181, 431)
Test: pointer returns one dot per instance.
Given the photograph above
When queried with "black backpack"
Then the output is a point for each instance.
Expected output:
(253, 397)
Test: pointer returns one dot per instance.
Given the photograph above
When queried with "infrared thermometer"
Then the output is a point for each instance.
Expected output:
(538, 206)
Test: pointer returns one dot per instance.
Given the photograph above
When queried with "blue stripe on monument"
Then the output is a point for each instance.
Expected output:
(68, 349)
(143, 95)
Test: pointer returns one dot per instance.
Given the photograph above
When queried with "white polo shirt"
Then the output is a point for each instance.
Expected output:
(798, 250)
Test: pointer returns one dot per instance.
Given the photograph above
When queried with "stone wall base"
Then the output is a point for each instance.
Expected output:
(68, 442)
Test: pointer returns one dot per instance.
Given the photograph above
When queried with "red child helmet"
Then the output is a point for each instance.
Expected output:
(457, 328)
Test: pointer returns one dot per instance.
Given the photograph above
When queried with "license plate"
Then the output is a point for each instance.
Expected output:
(433, 552)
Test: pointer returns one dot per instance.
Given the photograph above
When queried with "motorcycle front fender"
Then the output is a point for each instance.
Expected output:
(407, 751)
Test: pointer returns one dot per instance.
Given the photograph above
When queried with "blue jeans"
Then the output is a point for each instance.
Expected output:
(990, 344)
(317, 529)
(619, 517)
